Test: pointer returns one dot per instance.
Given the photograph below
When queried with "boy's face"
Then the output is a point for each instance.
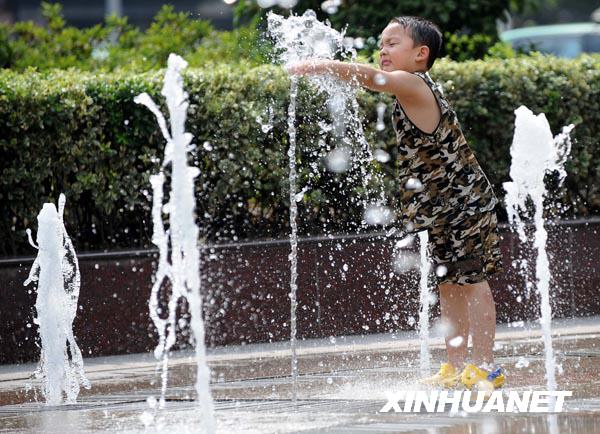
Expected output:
(397, 50)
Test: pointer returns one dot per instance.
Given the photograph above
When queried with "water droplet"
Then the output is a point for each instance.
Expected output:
(484, 386)
(146, 418)
(300, 195)
(338, 160)
(348, 42)
(329, 380)
(329, 6)
(288, 4)
(381, 156)
(405, 242)
(266, 3)
(151, 400)
(432, 299)
(442, 328)
(380, 114)
(406, 261)
(413, 184)
(441, 270)
(456, 341)
(522, 362)
(380, 79)
(378, 215)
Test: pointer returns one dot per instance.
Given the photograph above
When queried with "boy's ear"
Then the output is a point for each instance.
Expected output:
(423, 53)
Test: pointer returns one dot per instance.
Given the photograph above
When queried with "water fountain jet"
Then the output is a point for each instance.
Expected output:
(56, 270)
(183, 268)
(535, 152)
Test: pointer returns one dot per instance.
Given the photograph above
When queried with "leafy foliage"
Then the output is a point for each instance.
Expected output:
(81, 134)
(116, 44)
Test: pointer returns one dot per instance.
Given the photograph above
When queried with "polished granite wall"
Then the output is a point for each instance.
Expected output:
(346, 287)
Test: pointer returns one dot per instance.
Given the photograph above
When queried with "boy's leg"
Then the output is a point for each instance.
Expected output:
(482, 318)
(469, 307)
(455, 315)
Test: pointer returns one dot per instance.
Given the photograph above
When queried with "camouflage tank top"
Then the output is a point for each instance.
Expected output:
(450, 183)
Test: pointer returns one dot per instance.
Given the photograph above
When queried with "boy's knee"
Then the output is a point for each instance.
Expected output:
(450, 289)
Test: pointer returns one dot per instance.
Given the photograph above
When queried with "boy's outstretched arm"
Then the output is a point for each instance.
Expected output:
(400, 83)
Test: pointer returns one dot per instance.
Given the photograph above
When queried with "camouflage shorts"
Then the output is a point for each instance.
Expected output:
(468, 252)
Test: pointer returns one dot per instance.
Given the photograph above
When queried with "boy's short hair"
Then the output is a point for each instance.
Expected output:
(423, 32)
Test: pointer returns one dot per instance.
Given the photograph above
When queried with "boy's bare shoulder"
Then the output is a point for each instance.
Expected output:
(408, 87)
(420, 104)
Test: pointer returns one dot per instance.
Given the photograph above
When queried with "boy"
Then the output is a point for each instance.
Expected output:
(456, 202)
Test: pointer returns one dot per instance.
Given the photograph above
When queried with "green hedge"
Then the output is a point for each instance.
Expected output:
(81, 134)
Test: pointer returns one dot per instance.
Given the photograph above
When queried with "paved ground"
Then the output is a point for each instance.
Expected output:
(341, 388)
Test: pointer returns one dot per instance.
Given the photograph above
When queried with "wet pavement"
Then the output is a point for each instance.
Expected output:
(341, 388)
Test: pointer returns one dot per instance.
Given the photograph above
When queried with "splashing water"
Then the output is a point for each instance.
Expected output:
(534, 153)
(183, 271)
(425, 300)
(299, 38)
(56, 270)
(304, 37)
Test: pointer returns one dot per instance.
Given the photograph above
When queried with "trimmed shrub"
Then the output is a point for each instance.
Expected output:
(81, 134)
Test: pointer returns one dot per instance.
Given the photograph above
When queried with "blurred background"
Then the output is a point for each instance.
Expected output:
(220, 12)
(484, 22)
(139, 12)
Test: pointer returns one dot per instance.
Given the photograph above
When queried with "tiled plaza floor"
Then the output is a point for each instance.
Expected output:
(341, 388)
